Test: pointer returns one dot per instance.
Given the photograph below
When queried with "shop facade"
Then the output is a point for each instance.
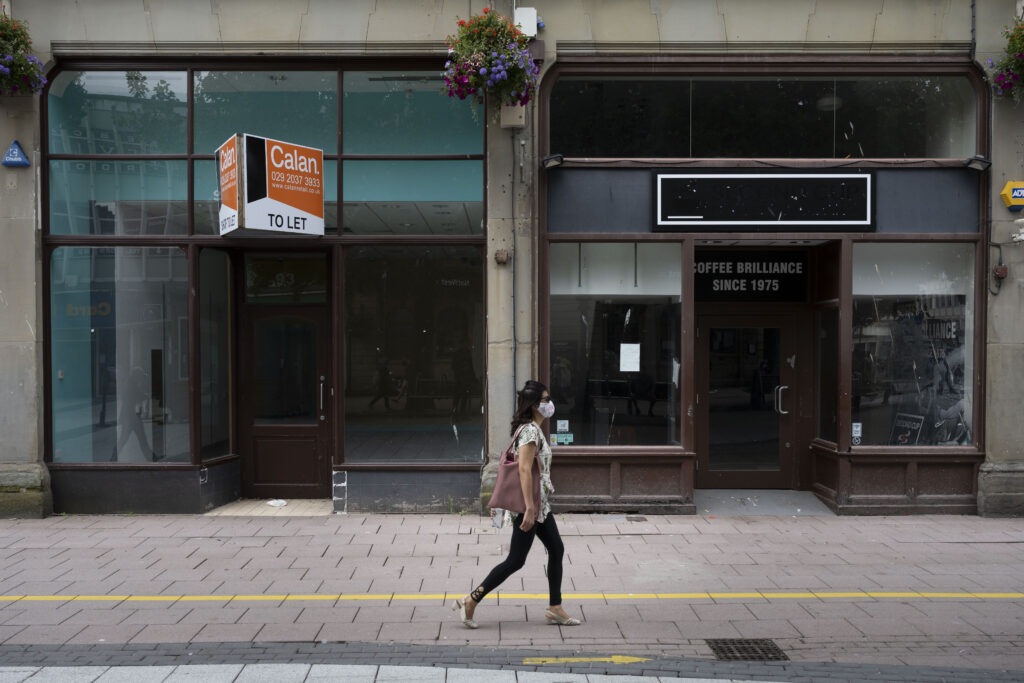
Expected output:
(759, 261)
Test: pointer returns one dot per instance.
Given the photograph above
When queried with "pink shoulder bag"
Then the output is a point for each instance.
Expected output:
(508, 493)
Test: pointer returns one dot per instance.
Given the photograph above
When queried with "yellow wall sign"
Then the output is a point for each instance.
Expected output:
(1013, 195)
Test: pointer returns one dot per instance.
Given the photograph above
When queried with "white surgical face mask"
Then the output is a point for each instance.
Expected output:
(547, 408)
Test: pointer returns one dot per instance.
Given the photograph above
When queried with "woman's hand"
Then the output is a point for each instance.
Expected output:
(529, 518)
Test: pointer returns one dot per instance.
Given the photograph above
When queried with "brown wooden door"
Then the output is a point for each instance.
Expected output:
(286, 431)
(746, 398)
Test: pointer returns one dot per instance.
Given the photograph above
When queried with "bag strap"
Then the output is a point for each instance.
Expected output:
(515, 437)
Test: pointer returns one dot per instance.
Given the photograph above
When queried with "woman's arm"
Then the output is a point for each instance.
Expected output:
(527, 452)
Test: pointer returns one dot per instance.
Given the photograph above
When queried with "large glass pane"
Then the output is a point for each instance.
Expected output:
(207, 197)
(118, 112)
(395, 112)
(215, 340)
(828, 375)
(615, 345)
(119, 354)
(913, 344)
(285, 376)
(413, 197)
(118, 197)
(783, 117)
(743, 418)
(414, 320)
(620, 117)
(770, 117)
(923, 116)
(295, 106)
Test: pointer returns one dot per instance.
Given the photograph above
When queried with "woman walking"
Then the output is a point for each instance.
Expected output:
(534, 407)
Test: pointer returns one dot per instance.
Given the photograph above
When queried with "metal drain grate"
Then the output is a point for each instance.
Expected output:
(635, 518)
(746, 650)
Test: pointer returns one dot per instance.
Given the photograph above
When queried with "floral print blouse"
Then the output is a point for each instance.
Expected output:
(532, 432)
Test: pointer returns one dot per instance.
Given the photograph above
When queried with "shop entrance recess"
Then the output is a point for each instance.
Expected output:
(285, 412)
(746, 398)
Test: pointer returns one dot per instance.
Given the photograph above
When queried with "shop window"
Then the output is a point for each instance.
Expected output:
(828, 375)
(118, 112)
(119, 355)
(776, 117)
(615, 343)
(215, 352)
(118, 197)
(413, 197)
(913, 344)
(206, 206)
(414, 354)
(394, 112)
(296, 106)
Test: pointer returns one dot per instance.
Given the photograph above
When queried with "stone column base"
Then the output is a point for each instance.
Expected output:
(1001, 490)
(25, 491)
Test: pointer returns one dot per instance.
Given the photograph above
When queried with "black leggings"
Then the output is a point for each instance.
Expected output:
(547, 531)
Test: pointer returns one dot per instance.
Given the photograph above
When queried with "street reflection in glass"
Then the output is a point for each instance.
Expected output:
(413, 354)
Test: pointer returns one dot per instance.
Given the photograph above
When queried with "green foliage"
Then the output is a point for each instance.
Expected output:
(1008, 78)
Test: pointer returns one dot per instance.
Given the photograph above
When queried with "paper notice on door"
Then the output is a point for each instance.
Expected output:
(629, 358)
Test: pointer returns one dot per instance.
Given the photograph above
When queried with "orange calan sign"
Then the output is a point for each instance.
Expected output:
(227, 164)
(278, 186)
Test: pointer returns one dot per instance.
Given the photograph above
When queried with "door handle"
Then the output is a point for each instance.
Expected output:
(778, 403)
(322, 378)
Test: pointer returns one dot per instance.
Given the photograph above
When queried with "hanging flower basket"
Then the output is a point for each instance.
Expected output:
(1008, 72)
(489, 54)
(20, 72)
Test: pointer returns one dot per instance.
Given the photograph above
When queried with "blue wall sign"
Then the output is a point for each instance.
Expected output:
(15, 156)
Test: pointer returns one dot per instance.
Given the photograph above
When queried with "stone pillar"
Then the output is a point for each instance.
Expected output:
(24, 478)
(511, 302)
(1001, 480)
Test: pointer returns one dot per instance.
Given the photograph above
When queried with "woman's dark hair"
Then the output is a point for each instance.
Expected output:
(528, 398)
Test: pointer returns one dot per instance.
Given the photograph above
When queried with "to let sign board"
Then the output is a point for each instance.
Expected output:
(270, 186)
(763, 201)
(750, 275)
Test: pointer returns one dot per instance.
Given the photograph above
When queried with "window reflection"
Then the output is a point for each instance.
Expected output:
(297, 106)
(615, 320)
(118, 112)
(118, 197)
(413, 354)
(215, 340)
(828, 374)
(413, 197)
(396, 112)
(119, 354)
(913, 350)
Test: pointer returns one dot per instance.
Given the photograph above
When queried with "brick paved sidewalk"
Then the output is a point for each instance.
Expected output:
(934, 591)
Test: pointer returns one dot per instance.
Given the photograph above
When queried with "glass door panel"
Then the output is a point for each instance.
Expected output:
(746, 401)
(743, 406)
(285, 377)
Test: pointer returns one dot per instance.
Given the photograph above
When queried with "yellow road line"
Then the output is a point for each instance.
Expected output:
(391, 597)
(614, 659)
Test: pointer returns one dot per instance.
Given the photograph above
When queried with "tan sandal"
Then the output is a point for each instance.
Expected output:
(460, 607)
(561, 621)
